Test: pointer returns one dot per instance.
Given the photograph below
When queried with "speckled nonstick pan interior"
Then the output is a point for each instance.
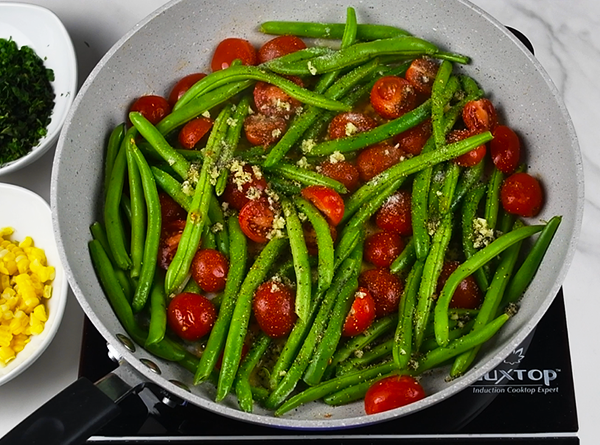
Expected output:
(178, 39)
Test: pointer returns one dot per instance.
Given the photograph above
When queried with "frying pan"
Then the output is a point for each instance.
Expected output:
(176, 40)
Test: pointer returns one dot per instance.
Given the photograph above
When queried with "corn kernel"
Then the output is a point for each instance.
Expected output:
(40, 312)
(6, 355)
(19, 342)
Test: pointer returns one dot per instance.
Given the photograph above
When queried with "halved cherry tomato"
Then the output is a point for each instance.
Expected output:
(392, 96)
(310, 237)
(154, 108)
(472, 157)
(342, 171)
(412, 140)
(271, 100)
(209, 269)
(382, 248)
(392, 392)
(264, 130)
(169, 209)
(191, 316)
(193, 131)
(395, 213)
(521, 194)
(241, 183)
(374, 159)
(505, 149)
(256, 220)
(327, 200)
(273, 306)
(233, 48)
(169, 241)
(421, 74)
(361, 315)
(280, 46)
(349, 124)
(183, 85)
(480, 115)
(385, 288)
(467, 295)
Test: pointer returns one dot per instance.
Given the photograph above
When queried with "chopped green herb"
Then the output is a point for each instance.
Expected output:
(26, 100)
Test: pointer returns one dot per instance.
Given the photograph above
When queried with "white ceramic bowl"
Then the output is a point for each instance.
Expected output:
(41, 30)
(29, 215)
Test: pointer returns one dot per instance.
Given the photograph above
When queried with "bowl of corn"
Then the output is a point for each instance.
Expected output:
(33, 284)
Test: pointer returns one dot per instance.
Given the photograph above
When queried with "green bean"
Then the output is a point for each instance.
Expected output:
(403, 337)
(420, 206)
(160, 144)
(172, 187)
(332, 333)
(369, 208)
(235, 276)
(349, 240)
(441, 354)
(112, 149)
(294, 373)
(527, 270)
(448, 187)
(284, 186)
(153, 230)
(438, 102)
(405, 46)
(429, 344)
(324, 242)
(406, 259)
(197, 216)
(469, 213)
(243, 389)
(467, 268)
(307, 177)
(138, 211)
(354, 392)
(241, 314)
(300, 255)
(200, 105)
(382, 350)
(492, 203)
(115, 231)
(219, 225)
(330, 30)
(413, 165)
(334, 385)
(158, 312)
(377, 134)
(431, 272)
(243, 72)
(468, 178)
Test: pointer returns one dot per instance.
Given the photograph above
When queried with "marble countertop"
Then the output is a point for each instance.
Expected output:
(567, 43)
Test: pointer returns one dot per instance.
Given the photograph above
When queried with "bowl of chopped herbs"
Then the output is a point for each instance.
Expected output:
(38, 81)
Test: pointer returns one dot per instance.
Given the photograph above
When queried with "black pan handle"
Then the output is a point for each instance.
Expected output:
(72, 416)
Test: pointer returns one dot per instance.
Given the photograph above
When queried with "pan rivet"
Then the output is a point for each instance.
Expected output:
(126, 341)
(151, 365)
(180, 385)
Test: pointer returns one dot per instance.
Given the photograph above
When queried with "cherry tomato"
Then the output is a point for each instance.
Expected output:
(412, 141)
(480, 115)
(342, 171)
(245, 181)
(230, 49)
(349, 124)
(374, 159)
(194, 130)
(153, 108)
(505, 149)
(169, 241)
(169, 209)
(467, 295)
(256, 220)
(395, 213)
(271, 100)
(273, 306)
(264, 130)
(183, 85)
(421, 74)
(209, 269)
(472, 157)
(327, 200)
(382, 248)
(385, 288)
(191, 316)
(361, 315)
(392, 392)
(279, 46)
(310, 237)
(392, 96)
(521, 194)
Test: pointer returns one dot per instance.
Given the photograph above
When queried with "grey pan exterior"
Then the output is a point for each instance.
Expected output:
(178, 38)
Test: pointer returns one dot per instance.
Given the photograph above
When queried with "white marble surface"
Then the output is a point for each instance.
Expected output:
(567, 43)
